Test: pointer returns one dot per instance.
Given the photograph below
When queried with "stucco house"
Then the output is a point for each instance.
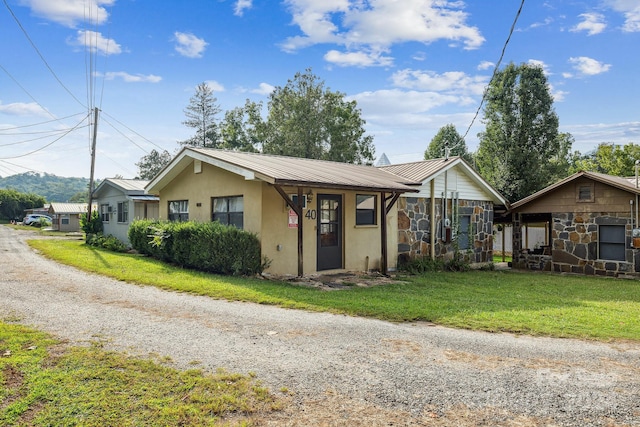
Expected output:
(310, 216)
(120, 201)
(66, 216)
(452, 212)
(590, 220)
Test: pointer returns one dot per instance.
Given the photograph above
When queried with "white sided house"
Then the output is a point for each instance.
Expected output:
(453, 212)
(120, 202)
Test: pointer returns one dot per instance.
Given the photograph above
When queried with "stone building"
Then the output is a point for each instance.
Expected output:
(452, 213)
(590, 220)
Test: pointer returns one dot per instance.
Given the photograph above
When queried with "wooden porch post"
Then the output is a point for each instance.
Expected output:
(297, 208)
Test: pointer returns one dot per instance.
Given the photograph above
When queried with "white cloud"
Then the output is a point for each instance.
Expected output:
(96, 42)
(592, 23)
(588, 136)
(215, 86)
(541, 64)
(358, 59)
(131, 78)
(456, 82)
(23, 109)
(486, 65)
(70, 12)
(263, 89)
(589, 66)
(241, 5)
(373, 26)
(631, 11)
(189, 45)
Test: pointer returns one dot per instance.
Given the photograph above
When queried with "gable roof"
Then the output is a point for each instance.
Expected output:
(67, 208)
(127, 186)
(622, 183)
(286, 171)
(426, 170)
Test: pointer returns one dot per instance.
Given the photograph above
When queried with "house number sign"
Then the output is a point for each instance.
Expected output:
(311, 214)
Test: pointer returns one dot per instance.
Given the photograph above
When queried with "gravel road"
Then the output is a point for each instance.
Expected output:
(340, 370)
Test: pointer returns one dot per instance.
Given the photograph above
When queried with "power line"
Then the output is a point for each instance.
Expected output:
(42, 123)
(121, 133)
(122, 124)
(40, 54)
(51, 133)
(495, 70)
(47, 145)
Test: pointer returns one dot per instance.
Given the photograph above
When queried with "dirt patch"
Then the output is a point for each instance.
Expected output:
(339, 281)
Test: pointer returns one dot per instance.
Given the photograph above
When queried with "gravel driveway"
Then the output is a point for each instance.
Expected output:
(340, 370)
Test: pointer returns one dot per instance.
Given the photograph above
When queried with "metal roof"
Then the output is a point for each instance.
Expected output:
(127, 186)
(627, 184)
(422, 170)
(68, 208)
(293, 171)
(145, 198)
(426, 170)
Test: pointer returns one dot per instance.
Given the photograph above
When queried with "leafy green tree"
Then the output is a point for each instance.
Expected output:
(610, 159)
(447, 137)
(151, 164)
(92, 226)
(560, 162)
(242, 127)
(521, 133)
(201, 116)
(14, 203)
(305, 119)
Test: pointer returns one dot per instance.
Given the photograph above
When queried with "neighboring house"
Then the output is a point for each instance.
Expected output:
(589, 218)
(453, 212)
(309, 215)
(66, 216)
(120, 201)
(44, 210)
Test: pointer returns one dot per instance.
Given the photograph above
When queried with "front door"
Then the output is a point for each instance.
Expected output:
(329, 231)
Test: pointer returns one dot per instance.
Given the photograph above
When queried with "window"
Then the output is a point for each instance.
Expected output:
(65, 220)
(584, 192)
(294, 199)
(123, 211)
(612, 242)
(179, 210)
(463, 231)
(104, 212)
(228, 210)
(365, 209)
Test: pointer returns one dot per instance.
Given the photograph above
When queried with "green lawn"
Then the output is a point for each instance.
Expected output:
(44, 384)
(530, 303)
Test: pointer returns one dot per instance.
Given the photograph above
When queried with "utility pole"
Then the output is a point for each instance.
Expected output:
(93, 161)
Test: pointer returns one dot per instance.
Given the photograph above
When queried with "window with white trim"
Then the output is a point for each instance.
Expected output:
(104, 212)
(123, 211)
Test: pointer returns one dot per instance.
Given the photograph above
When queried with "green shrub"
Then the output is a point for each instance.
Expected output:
(108, 242)
(209, 246)
(92, 226)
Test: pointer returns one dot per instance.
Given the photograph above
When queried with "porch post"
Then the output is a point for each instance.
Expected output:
(383, 235)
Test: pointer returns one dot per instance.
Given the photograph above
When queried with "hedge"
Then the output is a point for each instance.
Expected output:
(206, 246)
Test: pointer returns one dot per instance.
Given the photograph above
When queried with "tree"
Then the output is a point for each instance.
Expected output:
(521, 133)
(447, 137)
(307, 120)
(14, 203)
(242, 128)
(610, 159)
(151, 164)
(201, 116)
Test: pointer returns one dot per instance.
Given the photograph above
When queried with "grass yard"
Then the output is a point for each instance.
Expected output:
(43, 383)
(529, 303)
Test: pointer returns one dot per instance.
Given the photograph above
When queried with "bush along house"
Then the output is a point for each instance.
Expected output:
(591, 221)
(310, 216)
(452, 212)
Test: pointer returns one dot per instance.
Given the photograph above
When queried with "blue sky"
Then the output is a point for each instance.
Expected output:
(413, 66)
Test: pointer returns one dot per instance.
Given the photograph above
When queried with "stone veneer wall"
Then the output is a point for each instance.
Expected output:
(414, 229)
(575, 245)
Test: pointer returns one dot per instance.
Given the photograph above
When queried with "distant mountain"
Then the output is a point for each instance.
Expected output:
(51, 187)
